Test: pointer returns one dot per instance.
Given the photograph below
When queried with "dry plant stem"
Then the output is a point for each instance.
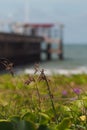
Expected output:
(36, 67)
(38, 93)
(7, 65)
(52, 103)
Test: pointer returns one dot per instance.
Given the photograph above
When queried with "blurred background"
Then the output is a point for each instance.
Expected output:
(51, 33)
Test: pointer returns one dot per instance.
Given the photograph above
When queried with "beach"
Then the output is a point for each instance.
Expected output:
(75, 62)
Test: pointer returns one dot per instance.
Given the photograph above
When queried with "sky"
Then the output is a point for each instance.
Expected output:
(71, 13)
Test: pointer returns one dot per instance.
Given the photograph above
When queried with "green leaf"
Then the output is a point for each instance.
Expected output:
(64, 124)
(20, 124)
(44, 118)
(5, 125)
(44, 127)
(15, 119)
(29, 116)
(26, 125)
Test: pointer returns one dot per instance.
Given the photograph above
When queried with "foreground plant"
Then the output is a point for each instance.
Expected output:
(7, 65)
(68, 111)
(43, 77)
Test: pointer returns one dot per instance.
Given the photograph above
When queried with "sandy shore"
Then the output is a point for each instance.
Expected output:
(80, 70)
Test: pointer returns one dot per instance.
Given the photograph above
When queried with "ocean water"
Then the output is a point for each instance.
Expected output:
(74, 56)
(75, 61)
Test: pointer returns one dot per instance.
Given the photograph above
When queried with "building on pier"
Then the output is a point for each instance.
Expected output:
(23, 43)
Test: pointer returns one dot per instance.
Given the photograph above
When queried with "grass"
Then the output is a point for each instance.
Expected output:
(68, 95)
(54, 102)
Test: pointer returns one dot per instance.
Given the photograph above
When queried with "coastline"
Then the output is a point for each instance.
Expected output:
(66, 72)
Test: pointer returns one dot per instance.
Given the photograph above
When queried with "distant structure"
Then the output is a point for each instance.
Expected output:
(51, 33)
(23, 42)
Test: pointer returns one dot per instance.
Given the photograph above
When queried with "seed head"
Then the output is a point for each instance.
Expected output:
(29, 80)
(36, 68)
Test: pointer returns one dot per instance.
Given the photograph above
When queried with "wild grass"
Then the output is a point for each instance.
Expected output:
(54, 102)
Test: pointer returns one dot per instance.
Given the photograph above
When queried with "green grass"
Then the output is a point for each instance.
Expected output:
(68, 94)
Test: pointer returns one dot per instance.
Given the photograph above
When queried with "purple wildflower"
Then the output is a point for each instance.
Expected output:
(64, 92)
(77, 90)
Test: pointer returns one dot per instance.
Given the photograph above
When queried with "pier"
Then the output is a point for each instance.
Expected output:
(51, 34)
(25, 47)
(57, 39)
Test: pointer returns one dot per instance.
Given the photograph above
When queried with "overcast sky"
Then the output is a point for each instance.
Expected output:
(72, 13)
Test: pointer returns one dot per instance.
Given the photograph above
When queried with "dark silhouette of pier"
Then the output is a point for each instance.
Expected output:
(26, 47)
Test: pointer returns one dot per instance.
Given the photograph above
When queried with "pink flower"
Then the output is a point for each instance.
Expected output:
(77, 90)
(64, 92)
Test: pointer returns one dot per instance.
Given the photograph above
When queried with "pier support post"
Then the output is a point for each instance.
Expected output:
(49, 44)
(60, 49)
(48, 51)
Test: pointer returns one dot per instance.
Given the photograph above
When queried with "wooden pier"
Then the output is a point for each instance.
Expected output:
(21, 48)
(58, 41)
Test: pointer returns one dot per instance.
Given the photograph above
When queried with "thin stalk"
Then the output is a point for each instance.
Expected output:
(38, 93)
(51, 98)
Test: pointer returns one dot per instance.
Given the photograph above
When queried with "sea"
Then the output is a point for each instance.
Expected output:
(75, 61)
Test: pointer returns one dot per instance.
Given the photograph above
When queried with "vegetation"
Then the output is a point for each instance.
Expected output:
(40, 102)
